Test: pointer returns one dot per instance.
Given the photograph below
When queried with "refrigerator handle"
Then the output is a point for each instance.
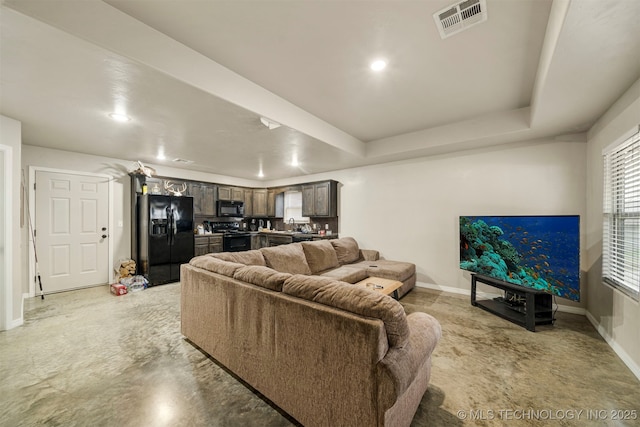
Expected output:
(169, 225)
(172, 226)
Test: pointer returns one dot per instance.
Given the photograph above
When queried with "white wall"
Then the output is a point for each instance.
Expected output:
(6, 275)
(11, 137)
(616, 316)
(409, 210)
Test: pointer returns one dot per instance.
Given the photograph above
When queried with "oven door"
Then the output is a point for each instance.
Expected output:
(236, 243)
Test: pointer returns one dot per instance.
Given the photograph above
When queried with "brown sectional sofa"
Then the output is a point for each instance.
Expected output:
(328, 353)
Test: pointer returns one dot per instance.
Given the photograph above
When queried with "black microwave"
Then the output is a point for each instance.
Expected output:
(230, 208)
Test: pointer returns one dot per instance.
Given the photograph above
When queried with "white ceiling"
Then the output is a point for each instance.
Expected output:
(195, 76)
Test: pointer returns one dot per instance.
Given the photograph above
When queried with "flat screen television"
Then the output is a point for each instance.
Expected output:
(539, 252)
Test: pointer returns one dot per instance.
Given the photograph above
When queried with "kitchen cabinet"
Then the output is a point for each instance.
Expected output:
(201, 245)
(209, 199)
(237, 193)
(308, 200)
(224, 193)
(271, 203)
(248, 197)
(195, 190)
(203, 198)
(259, 241)
(154, 185)
(259, 203)
(230, 193)
(275, 203)
(215, 244)
(207, 245)
(320, 199)
(277, 240)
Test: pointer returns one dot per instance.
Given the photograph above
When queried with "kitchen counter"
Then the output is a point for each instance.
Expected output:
(265, 239)
(296, 235)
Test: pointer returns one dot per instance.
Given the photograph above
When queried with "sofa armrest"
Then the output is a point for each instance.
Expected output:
(398, 368)
(369, 254)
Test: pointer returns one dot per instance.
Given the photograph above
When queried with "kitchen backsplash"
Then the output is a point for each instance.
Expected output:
(277, 224)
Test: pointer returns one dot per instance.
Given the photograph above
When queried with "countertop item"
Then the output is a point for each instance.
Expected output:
(295, 234)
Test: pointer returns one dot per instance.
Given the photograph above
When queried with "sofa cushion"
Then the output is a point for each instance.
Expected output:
(346, 273)
(216, 265)
(347, 250)
(320, 255)
(396, 270)
(309, 281)
(262, 276)
(355, 299)
(246, 257)
(287, 258)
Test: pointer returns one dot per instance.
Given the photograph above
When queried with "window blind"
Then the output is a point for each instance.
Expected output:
(621, 225)
(293, 207)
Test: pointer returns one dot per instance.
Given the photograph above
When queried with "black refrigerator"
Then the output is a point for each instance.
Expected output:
(165, 236)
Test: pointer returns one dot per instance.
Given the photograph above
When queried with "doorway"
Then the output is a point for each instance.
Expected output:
(71, 227)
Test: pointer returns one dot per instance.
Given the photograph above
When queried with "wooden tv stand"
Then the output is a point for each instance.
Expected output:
(537, 308)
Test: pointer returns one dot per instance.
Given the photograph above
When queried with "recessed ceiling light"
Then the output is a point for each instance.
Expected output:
(294, 161)
(120, 117)
(378, 65)
(260, 174)
(161, 156)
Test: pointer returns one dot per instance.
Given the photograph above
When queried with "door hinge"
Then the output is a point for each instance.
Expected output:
(34, 186)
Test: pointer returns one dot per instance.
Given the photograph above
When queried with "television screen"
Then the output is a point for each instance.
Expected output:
(539, 252)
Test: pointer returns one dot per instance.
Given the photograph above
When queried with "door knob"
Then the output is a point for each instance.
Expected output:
(104, 236)
(104, 228)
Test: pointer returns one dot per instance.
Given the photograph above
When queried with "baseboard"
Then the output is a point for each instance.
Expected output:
(626, 359)
(572, 310)
(15, 323)
(20, 320)
(448, 289)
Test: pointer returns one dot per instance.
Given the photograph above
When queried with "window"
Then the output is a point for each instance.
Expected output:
(621, 228)
(293, 207)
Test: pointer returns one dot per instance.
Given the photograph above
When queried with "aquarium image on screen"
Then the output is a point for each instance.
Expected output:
(539, 252)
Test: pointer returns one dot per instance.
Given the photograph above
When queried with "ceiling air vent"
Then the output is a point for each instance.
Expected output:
(460, 16)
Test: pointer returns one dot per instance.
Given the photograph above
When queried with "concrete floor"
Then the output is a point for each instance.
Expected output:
(87, 357)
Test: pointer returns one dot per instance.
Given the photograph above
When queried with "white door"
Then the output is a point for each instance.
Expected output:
(71, 219)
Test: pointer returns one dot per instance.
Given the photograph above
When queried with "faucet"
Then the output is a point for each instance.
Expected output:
(292, 224)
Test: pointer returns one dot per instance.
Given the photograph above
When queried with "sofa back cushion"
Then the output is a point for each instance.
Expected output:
(246, 257)
(347, 250)
(262, 276)
(355, 299)
(286, 259)
(320, 255)
(216, 265)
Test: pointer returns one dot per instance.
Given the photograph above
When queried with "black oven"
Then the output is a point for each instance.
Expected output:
(233, 239)
(236, 242)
